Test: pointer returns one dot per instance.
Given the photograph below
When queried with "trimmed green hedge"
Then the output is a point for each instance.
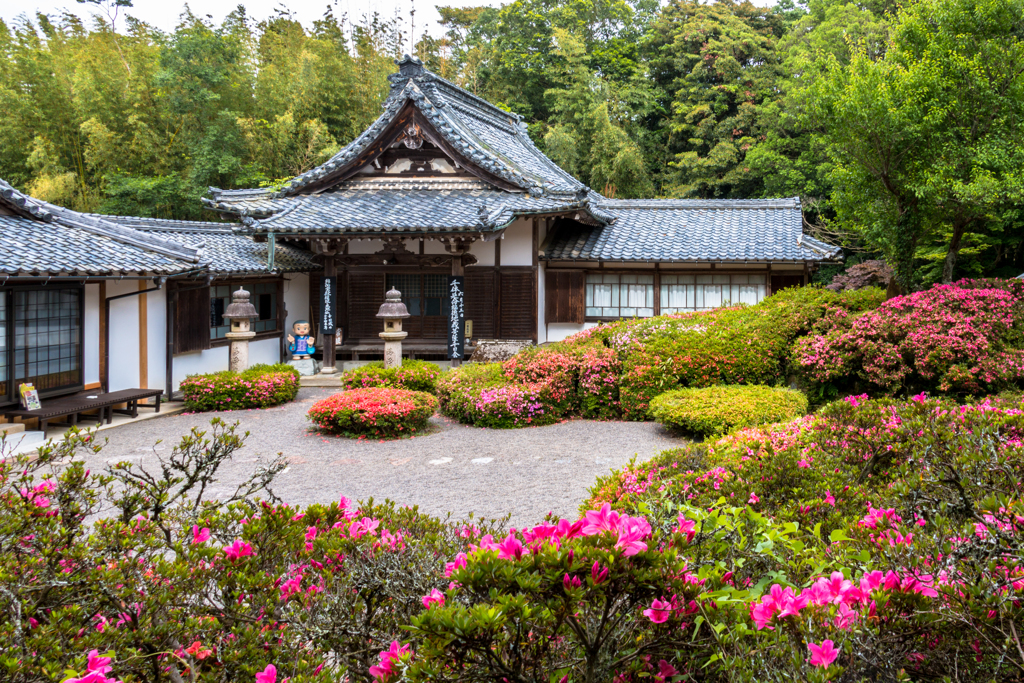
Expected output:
(720, 409)
(258, 387)
(414, 375)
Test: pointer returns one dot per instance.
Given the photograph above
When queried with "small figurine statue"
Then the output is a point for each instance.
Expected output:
(300, 345)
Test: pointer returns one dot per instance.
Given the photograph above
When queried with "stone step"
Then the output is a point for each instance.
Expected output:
(12, 428)
(23, 442)
(321, 380)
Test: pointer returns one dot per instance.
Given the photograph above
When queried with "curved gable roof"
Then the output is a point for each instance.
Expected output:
(491, 140)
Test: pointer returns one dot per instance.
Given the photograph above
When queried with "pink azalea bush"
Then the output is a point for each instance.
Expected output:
(876, 539)
(174, 587)
(898, 526)
(537, 386)
(260, 386)
(382, 412)
(964, 338)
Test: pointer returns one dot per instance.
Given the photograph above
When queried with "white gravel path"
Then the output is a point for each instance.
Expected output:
(458, 469)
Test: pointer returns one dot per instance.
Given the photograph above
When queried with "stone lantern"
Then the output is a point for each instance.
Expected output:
(241, 313)
(393, 311)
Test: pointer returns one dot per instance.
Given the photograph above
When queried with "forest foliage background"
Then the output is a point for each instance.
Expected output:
(899, 126)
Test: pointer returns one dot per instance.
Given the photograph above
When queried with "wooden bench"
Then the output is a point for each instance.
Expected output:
(71, 407)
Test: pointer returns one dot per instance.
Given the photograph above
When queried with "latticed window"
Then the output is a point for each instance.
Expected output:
(47, 338)
(681, 293)
(424, 295)
(619, 296)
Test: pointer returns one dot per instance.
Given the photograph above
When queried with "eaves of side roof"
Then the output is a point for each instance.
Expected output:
(692, 231)
(44, 239)
(226, 251)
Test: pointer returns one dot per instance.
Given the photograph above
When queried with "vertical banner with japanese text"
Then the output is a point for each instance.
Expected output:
(328, 305)
(457, 316)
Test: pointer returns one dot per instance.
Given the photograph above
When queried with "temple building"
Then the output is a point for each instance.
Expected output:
(444, 183)
(442, 187)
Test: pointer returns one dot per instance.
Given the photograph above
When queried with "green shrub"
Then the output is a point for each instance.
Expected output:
(258, 387)
(414, 375)
(720, 409)
(377, 411)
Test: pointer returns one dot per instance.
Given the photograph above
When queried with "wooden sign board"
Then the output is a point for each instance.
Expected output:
(457, 316)
(328, 304)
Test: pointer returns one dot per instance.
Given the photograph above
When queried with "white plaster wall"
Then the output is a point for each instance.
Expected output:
(296, 299)
(432, 247)
(91, 325)
(484, 252)
(518, 243)
(201, 362)
(123, 368)
(559, 331)
(364, 246)
(264, 351)
(156, 314)
(216, 359)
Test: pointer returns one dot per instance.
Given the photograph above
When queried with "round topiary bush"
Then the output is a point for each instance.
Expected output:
(414, 375)
(720, 409)
(260, 386)
(377, 411)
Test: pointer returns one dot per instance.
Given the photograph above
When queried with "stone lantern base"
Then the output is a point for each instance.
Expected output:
(238, 359)
(393, 348)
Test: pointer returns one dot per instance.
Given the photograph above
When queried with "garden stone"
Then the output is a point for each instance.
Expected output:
(497, 350)
(305, 366)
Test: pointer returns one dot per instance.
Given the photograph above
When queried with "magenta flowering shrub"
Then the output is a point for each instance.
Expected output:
(172, 587)
(600, 599)
(260, 386)
(481, 394)
(965, 338)
(613, 371)
(896, 524)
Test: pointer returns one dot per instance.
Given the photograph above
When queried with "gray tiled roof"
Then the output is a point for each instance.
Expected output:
(495, 140)
(44, 239)
(691, 230)
(413, 206)
(226, 252)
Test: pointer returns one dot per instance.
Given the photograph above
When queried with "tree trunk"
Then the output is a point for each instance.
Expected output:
(953, 252)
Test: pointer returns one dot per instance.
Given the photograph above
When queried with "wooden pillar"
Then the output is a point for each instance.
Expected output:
(457, 269)
(536, 277)
(143, 337)
(103, 334)
(330, 353)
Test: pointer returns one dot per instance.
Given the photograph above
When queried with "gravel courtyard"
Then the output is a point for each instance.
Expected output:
(458, 469)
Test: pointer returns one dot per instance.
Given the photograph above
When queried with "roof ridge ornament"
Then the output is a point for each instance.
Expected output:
(410, 67)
